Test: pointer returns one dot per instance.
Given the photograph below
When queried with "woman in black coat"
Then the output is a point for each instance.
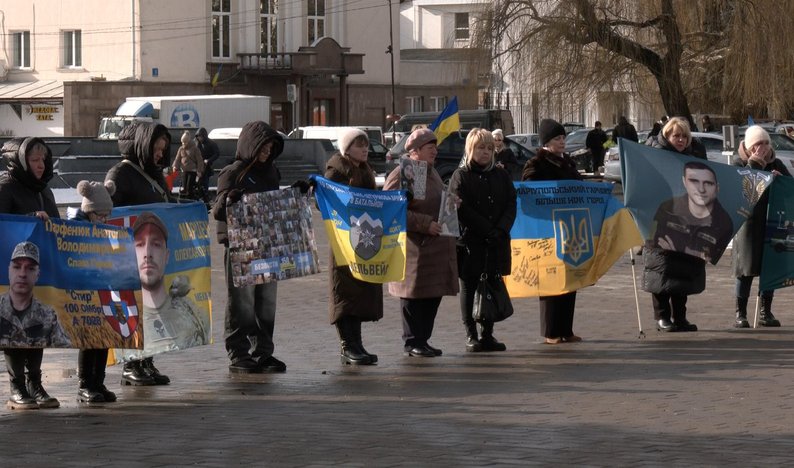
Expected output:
(748, 246)
(668, 275)
(24, 191)
(486, 214)
(552, 163)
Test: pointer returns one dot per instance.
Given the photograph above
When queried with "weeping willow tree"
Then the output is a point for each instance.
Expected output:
(725, 56)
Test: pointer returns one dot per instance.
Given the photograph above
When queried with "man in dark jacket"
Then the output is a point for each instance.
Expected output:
(210, 153)
(139, 180)
(595, 143)
(250, 310)
(625, 130)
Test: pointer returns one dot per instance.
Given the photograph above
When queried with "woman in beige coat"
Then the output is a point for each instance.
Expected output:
(189, 160)
(431, 269)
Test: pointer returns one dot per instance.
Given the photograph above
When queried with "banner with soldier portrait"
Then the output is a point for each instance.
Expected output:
(69, 284)
(271, 237)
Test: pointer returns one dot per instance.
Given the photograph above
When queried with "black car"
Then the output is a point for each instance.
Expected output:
(451, 153)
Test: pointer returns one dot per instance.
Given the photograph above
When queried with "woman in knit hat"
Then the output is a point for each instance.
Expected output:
(95, 208)
(552, 163)
(352, 301)
(755, 152)
(189, 160)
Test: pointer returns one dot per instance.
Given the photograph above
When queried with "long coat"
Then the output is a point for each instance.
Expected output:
(748, 245)
(20, 192)
(488, 203)
(431, 268)
(351, 297)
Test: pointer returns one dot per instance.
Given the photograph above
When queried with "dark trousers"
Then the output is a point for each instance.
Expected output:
(19, 359)
(467, 289)
(745, 283)
(189, 184)
(419, 316)
(91, 367)
(556, 315)
(669, 306)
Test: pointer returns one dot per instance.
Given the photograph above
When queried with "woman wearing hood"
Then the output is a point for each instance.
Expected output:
(24, 191)
(250, 310)
(145, 148)
(189, 160)
(755, 152)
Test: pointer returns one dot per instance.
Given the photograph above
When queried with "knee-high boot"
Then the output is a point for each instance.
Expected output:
(767, 319)
(100, 363)
(350, 354)
(741, 313)
(86, 391)
(20, 397)
(356, 329)
(36, 389)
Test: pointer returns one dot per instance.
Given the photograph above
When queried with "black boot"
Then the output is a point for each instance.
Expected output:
(148, 366)
(37, 392)
(767, 319)
(350, 353)
(20, 398)
(86, 389)
(100, 364)
(473, 345)
(488, 342)
(356, 329)
(134, 374)
(741, 313)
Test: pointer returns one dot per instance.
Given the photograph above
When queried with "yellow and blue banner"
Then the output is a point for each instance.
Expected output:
(777, 264)
(366, 229)
(566, 235)
(86, 292)
(174, 271)
(687, 204)
(447, 122)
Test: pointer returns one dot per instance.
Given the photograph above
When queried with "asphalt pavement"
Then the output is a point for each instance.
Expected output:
(717, 397)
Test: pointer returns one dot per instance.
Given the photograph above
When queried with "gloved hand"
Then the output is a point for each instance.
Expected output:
(494, 236)
(303, 185)
(234, 196)
(409, 195)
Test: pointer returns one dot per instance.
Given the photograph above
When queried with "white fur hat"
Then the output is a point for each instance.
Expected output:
(753, 135)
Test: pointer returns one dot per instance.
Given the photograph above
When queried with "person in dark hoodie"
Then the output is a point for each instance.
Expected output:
(210, 153)
(24, 191)
(250, 310)
(145, 149)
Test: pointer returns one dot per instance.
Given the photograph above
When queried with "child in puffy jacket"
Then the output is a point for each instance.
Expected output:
(189, 160)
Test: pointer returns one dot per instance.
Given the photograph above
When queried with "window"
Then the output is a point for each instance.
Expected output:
(461, 26)
(414, 103)
(316, 17)
(72, 48)
(221, 17)
(438, 103)
(20, 43)
(268, 38)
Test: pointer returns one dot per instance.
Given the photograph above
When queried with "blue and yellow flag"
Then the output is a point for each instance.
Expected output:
(448, 122)
(686, 204)
(567, 234)
(366, 229)
(777, 264)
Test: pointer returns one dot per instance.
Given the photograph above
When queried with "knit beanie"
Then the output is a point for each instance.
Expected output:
(550, 129)
(346, 137)
(185, 137)
(753, 135)
(96, 197)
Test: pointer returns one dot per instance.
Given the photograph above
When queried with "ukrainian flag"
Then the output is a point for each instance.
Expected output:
(777, 263)
(366, 229)
(447, 122)
(567, 234)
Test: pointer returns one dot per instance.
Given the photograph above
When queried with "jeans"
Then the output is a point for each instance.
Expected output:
(250, 318)
(745, 283)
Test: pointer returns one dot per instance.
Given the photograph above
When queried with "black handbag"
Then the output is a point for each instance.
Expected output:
(491, 300)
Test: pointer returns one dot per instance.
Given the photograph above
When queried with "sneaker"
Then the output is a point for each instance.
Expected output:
(244, 366)
(270, 365)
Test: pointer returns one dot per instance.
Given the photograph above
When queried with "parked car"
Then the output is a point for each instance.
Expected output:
(529, 140)
(782, 244)
(575, 146)
(450, 154)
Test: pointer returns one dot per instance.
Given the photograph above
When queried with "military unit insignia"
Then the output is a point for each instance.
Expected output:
(365, 235)
(120, 310)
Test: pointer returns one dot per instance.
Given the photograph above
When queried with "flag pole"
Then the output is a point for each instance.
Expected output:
(755, 319)
(636, 296)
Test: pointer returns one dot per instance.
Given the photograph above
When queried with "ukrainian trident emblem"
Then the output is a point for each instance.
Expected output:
(573, 235)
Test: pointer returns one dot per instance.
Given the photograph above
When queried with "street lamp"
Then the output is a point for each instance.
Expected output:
(390, 50)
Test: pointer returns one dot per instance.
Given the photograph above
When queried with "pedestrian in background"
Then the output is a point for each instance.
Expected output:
(552, 163)
(624, 130)
(755, 152)
(94, 208)
(431, 265)
(210, 153)
(505, 157)
(352, 300)
(145, 148)
(706, 124)
(595, 143)
(486, 214)
(189, 161)
(250, 310)
(24, 191)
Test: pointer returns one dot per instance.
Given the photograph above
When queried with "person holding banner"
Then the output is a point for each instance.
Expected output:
(352, 300)
(94, 208)
(552, 163)
(145, 149)
(486, 214)
(755, 152)
(431, 265)
(250, 310)
(24, 191)
(670, 276)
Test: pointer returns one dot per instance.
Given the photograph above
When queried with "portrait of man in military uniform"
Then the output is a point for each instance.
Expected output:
(24, 321)
(694, 223)
(170, 319)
